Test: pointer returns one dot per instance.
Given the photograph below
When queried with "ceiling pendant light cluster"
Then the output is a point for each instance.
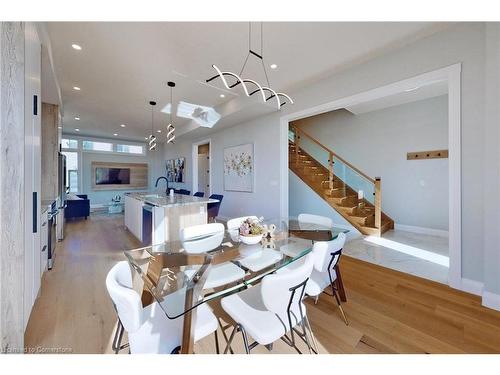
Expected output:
(245, 82)
(170, 126)
(152, 138)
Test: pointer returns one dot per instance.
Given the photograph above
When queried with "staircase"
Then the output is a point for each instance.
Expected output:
(364, 214)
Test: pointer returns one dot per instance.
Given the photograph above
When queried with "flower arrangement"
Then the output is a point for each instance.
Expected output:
(251, 227)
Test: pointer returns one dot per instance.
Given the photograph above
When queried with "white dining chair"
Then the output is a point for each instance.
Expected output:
(273, 309)
(201, 238)
(326, 256)
(305, 219)
(206, 237)
(149, 329)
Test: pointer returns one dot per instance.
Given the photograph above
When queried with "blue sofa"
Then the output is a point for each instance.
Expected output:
(77, 208)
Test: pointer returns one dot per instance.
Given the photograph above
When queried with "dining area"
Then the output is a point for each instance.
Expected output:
(244, 281)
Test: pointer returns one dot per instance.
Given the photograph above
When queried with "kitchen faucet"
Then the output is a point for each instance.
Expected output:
(162, 178)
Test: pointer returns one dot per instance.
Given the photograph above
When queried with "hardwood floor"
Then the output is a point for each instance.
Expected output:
(389, 312)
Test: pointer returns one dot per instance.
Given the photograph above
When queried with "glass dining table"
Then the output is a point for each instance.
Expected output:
(176, 279)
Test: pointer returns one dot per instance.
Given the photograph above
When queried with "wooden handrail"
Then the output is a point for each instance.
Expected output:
(300, 131)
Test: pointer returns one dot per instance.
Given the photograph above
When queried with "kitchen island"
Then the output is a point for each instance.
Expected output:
(154, 218)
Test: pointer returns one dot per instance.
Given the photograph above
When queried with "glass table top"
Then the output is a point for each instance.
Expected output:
(180, 281)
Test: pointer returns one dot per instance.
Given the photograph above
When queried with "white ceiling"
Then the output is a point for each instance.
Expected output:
(123, 66)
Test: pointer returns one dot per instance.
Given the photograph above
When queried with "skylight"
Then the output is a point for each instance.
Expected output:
(206, 117)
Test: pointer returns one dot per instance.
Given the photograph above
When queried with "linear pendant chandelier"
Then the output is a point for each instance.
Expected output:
(152, 138)
(245, 82)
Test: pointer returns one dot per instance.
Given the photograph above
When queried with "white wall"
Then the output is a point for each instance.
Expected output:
(491, 169)
(414, 192)
(264, 200)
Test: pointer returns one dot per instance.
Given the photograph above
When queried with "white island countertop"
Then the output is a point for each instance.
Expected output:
(164, 200)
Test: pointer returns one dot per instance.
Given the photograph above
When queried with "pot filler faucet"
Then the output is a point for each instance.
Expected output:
(162, 178)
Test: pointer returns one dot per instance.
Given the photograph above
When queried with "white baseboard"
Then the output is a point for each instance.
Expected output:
(472, 286)
(491, 300)
(421, 230)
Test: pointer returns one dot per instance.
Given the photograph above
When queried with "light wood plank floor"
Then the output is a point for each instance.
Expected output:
(389, 312)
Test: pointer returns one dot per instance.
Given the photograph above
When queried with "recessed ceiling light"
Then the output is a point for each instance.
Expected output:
(123, 125)
(77, 47)
(222, 95)
(273, 66)
(77, 130)
(77, 118)
(146, 138)
(412, 89)
(159, 131)
(76, 88)
(59, 127)
(115, 134)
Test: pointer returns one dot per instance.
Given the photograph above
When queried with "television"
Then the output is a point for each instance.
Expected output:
(112, 176)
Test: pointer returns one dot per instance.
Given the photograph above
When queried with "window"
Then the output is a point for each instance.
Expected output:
(73, 181)
(130, 149)
(97, 146)
(69, 143)
(71, 170)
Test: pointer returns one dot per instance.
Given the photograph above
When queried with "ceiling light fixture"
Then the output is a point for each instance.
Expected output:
(115, 134)
(77, 118)
(152, 138)
(77, 130)
(245, 81)
(77, 47)
(412, 89)
(222, 95)
(170, 126)
(123, 125)
(273, 66)
(76, 88)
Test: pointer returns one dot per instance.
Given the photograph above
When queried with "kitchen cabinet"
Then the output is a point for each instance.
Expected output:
(133, 216)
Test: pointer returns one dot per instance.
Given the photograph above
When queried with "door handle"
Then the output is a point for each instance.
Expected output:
(35, 212)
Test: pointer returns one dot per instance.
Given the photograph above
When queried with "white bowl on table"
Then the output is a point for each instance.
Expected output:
(251, 240)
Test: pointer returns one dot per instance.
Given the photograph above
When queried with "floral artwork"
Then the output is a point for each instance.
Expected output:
(238, 168)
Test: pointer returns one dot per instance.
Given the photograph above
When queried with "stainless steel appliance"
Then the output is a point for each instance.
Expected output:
(147, 225)
(52, 240)
(62, 187)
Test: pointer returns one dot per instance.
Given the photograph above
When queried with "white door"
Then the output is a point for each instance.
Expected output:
(204, 174)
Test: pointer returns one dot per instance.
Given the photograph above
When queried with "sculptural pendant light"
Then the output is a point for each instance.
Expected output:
(152, 138)
(245, 81)
(170, 126)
